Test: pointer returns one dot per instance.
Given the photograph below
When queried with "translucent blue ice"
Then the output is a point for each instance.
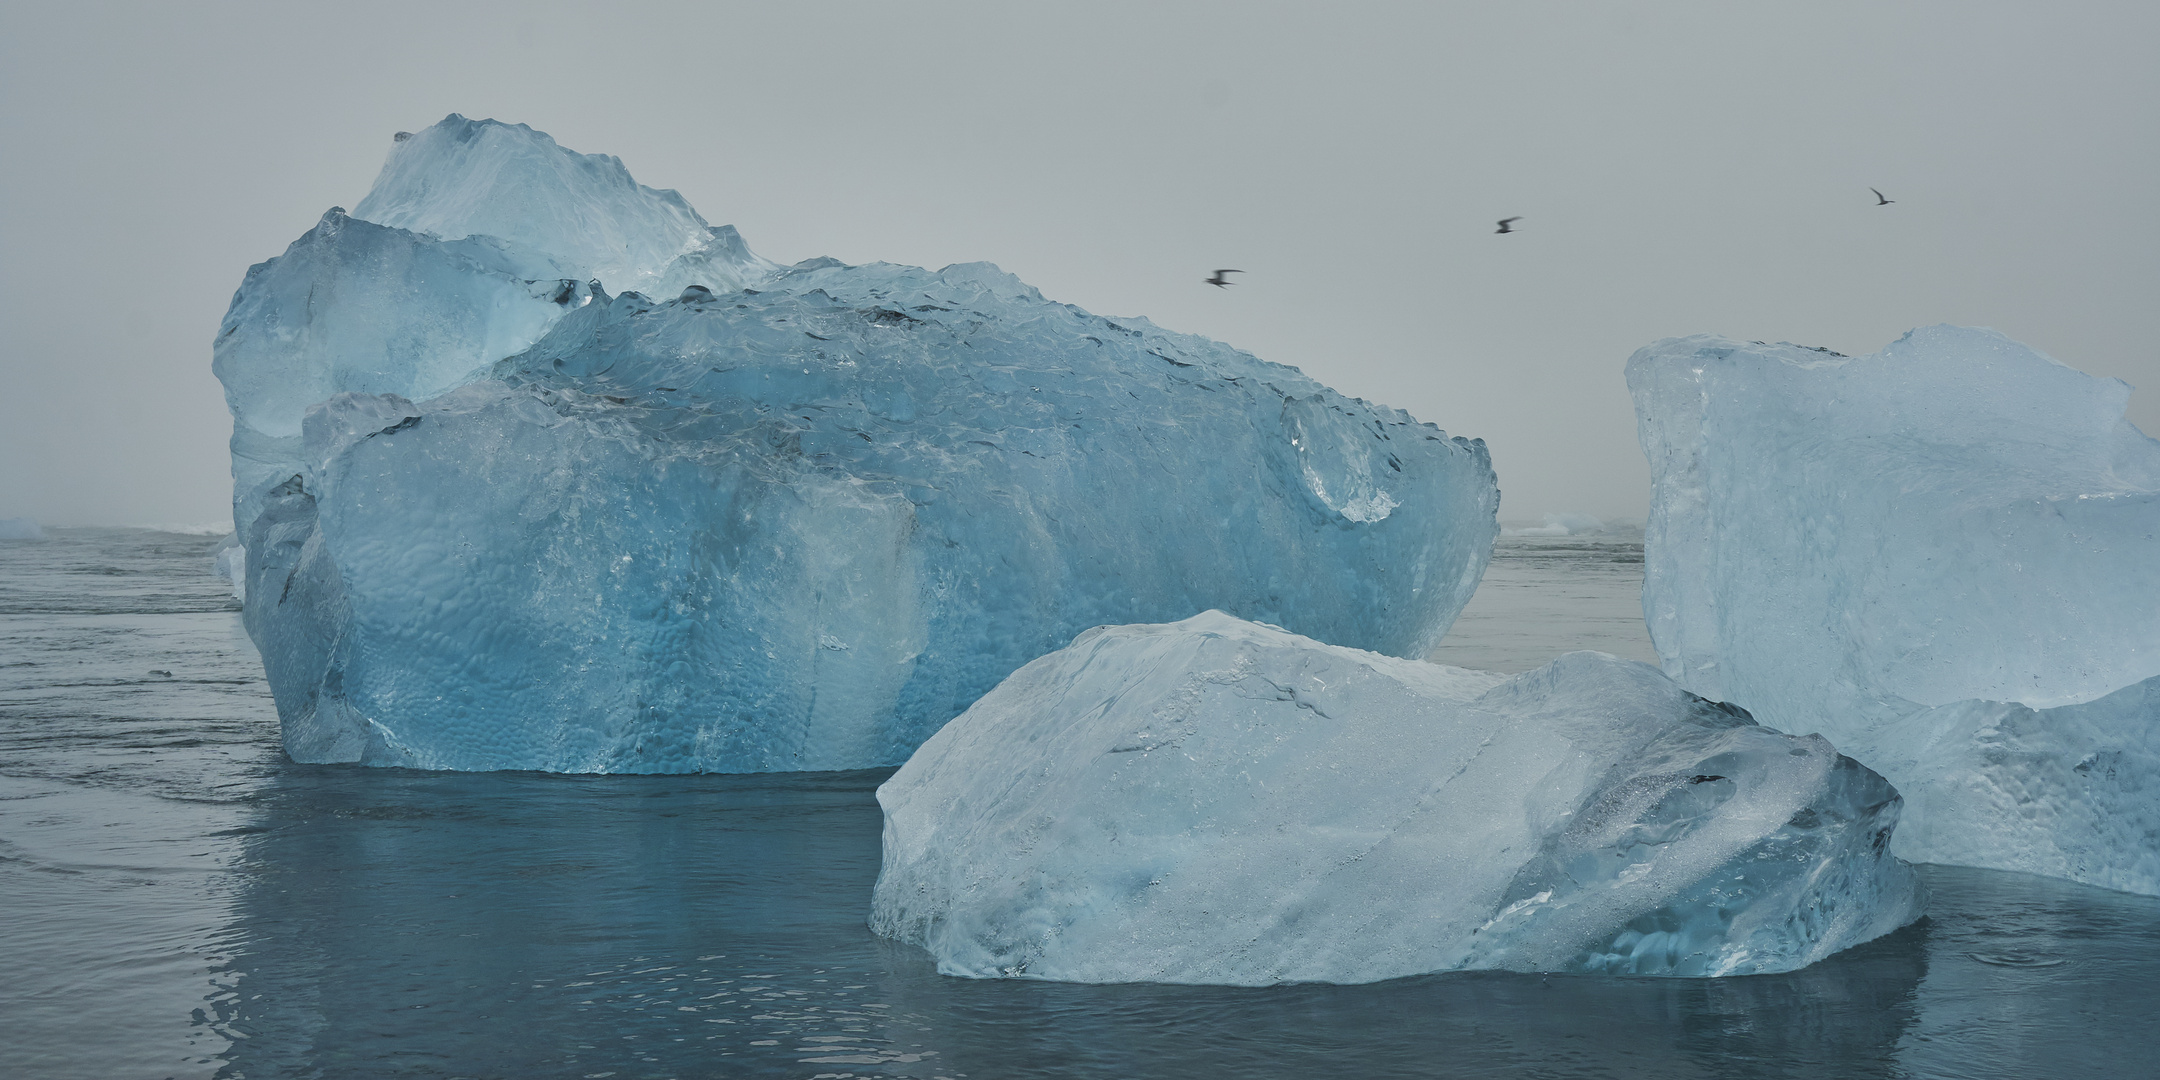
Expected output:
(356, 307)
(1215, 801)
(476, 237)
(1945, 557)
(497, 517)
(506, 181)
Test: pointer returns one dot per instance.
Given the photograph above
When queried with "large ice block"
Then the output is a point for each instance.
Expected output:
(1945, 557)
(797, 525)
(1215, 801)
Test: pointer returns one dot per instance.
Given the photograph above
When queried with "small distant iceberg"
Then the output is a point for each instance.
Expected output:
(21, 528)
(1560, 525)
(192, 528)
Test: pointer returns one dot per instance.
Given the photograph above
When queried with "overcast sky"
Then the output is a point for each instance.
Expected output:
(1679, 168)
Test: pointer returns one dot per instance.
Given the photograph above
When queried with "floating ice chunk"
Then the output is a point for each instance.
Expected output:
(1944, 557)
(477, 237)
(1214, 801)
(803, 527)
(1560, 525)
(796, 526)
(20, 528)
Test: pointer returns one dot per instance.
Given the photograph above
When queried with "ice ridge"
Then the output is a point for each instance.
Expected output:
(482, 177)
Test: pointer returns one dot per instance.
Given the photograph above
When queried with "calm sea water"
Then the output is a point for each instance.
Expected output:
(178, 900)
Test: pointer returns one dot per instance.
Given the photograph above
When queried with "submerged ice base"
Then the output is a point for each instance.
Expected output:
(1945, 557)
(497, 517)
(1214, 801)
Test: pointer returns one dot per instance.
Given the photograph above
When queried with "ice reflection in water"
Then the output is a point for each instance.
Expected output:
(535, 926)
(182, 902)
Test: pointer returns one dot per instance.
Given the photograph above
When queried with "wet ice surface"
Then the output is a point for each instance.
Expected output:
(182, 902)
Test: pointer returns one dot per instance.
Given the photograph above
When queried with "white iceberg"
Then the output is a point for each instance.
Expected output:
(1215, 801)
(498, 517)
(20, 528)
(1567, 524)
(1945, 557)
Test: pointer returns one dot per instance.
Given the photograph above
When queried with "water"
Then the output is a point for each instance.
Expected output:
(1546, 595)
(177, 900)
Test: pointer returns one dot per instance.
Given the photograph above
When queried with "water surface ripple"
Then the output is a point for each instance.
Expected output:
(181, 901)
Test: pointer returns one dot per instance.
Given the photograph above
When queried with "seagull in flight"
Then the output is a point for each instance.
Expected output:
(1219, 281)
(1504, 224)
(1879, 200)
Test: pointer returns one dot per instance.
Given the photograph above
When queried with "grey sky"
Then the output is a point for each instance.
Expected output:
(1679, 167)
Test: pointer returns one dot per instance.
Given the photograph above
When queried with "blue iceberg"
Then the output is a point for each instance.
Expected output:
(1945, 557)
(537, 470)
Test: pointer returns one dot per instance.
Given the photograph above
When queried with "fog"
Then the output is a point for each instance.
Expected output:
(1678, 168)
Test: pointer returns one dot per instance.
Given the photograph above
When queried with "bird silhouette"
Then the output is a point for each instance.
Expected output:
(1879, 200)
(1504, 224)
(1220, 281)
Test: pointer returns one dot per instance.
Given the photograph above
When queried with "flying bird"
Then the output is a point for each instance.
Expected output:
(1879, 200)
(1219, 280)
(1504, 224)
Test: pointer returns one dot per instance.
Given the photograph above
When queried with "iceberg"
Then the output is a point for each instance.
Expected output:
(1227, 802)
(1944, 557)
(20, 528)
(503, 510)
(1560, 525)
(1217, 801)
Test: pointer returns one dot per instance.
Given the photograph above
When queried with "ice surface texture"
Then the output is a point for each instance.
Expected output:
(506, 181)
(1215, 801)
(793, 526)
(1945, 557)
(476, 238)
